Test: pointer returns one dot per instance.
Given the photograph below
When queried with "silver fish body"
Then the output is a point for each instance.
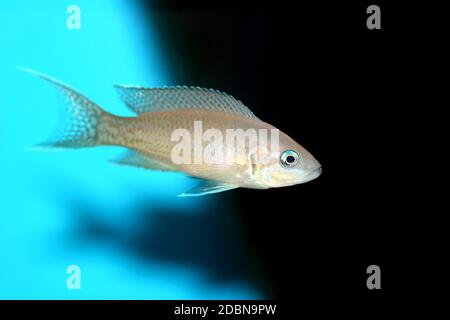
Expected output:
(161, 111)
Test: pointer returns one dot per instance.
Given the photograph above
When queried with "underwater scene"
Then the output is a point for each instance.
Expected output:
(121, 230)
(214, 157)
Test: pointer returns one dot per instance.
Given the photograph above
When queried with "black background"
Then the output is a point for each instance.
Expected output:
(361, 101)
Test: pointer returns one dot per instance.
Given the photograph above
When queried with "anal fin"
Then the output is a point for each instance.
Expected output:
(207, 187)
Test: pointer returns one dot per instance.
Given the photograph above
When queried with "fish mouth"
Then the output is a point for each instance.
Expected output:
(313, 174)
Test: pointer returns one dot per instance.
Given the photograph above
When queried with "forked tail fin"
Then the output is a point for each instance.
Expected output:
(81, 118)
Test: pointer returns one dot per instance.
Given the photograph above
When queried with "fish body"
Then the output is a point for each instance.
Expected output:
(207, 118)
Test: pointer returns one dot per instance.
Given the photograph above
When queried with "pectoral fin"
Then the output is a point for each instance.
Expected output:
(207, 187)
(136, 159)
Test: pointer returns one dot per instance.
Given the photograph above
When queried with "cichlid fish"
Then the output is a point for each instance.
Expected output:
(151, 143)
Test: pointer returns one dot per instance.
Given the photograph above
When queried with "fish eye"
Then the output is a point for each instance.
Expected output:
(289, 158)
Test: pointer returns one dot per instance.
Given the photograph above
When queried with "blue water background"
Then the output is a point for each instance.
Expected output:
(48, 198)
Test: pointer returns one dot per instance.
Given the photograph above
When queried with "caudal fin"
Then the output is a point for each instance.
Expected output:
(80, 118)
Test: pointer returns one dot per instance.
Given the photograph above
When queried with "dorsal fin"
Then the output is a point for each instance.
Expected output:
(142, 100)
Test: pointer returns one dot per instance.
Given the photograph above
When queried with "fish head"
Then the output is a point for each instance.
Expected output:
(289, 164)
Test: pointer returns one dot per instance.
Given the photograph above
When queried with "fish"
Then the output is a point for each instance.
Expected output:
(165, 115)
